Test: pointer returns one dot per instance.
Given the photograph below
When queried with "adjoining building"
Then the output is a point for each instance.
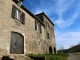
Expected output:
(22, 32)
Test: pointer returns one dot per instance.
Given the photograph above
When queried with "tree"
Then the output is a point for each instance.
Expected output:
(61, 49)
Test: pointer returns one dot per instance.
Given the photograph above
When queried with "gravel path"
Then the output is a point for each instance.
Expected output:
(74, 56)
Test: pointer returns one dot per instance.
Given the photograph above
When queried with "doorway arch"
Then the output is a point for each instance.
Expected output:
(17, 43)
(50, 49)
(54, 50)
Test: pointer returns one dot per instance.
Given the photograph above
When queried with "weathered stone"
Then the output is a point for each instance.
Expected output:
(34, 41)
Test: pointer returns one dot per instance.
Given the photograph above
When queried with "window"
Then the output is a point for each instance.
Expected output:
(48, 35)
(47, 24)
(38, 27)
(18, 15)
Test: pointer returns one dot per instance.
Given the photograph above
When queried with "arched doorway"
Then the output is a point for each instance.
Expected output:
(16, 43)
(54, 50)
(50, 49)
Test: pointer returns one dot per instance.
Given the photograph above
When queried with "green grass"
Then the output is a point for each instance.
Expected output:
(52, 56)
(57, 57)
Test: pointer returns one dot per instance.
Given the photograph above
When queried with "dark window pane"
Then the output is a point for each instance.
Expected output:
(48, 35)
(40, 29)
(35, 25)
(23, 18)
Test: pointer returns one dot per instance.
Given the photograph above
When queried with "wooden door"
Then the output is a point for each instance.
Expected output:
(17, 43)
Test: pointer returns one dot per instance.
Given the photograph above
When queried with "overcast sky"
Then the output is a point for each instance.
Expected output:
(65, 14)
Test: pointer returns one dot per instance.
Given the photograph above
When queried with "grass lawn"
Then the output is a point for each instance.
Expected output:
(52, 56)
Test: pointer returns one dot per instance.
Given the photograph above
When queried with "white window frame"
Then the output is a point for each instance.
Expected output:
(17, 14)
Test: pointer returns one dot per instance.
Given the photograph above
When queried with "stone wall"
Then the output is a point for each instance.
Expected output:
(32, 38)
(8, 24)
(49, 42)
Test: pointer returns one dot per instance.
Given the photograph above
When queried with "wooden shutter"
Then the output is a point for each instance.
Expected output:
(35, 25)
(13, 11)
(40, 29)
(46, 23)
(48, 35)
(23, 18)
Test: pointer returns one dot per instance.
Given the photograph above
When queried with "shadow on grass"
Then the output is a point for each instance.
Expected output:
(37, 58)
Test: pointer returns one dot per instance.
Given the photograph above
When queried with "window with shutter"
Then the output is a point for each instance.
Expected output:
(48, 35)
(38, 27)
(35, 25)
(47, 24)
(18, 15)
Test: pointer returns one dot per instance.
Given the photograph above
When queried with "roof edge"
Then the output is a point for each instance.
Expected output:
(46, 17)
(30, 13)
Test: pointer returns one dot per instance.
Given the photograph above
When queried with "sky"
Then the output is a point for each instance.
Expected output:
(65, 14)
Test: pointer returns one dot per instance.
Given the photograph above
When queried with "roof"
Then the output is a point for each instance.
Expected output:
(25, 9)
(45, 16)
(31, 14)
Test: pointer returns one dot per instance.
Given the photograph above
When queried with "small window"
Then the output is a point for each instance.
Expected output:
(48, 35)
(38, 27)
(47, 24)
(18, 15)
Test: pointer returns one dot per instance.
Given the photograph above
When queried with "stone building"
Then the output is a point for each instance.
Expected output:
(22, 32)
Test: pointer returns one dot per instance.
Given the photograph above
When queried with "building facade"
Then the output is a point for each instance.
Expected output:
(22, 32)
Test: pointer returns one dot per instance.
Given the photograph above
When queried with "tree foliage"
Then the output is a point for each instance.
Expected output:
(75, 49)
(72, 49)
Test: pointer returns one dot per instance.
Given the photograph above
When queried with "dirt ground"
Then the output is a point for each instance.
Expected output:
(74, 56)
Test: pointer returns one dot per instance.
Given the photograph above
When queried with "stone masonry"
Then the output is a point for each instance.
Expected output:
(34, 41)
